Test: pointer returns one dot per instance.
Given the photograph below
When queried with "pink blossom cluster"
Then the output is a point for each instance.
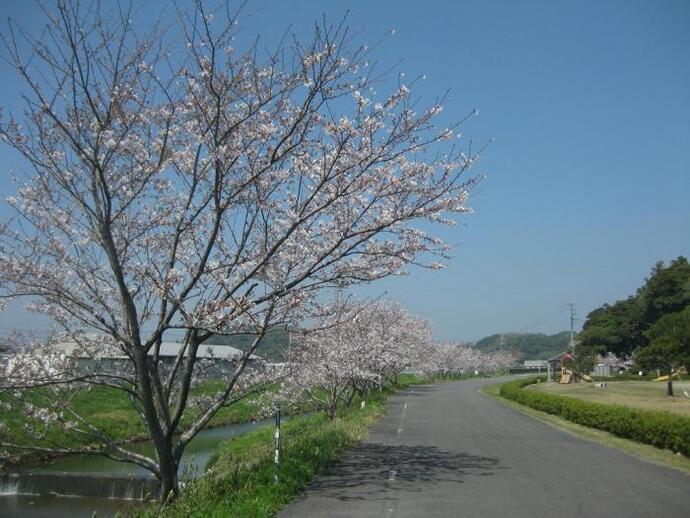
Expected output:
(460, 358)
(353, 348)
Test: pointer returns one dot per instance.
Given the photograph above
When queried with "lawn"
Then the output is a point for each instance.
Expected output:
(650, 395)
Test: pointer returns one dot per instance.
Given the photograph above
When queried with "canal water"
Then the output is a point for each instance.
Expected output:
(79, 485)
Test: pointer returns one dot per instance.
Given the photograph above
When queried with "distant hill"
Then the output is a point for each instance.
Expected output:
(531, 346)
(272, 347)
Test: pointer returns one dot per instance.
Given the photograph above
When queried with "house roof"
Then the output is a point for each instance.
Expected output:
(168, 349)
(560, 356)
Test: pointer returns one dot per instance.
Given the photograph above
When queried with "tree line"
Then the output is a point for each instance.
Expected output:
(652, 326)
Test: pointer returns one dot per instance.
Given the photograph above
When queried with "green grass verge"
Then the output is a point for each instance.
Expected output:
(656, 428)
(642, 451)
(241, 477)
(650, 395)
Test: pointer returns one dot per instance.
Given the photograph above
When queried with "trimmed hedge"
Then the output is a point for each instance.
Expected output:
(661, 429)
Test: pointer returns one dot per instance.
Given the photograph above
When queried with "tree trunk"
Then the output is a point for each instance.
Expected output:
(348, 400)
(669, 386)
(162, 440)
(168, 474)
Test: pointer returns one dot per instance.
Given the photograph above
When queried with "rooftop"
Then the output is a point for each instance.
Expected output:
(168, 349)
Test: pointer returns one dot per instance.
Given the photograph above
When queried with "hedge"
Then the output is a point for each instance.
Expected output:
(661, 429)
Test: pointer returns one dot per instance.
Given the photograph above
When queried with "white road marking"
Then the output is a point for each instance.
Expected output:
(391, 475)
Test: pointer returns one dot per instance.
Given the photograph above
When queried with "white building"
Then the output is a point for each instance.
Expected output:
(536, 364)
(213, 360)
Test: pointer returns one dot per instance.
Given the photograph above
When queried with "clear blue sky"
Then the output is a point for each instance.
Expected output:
(589, 178)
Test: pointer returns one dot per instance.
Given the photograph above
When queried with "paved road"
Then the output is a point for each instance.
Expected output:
(448, 451)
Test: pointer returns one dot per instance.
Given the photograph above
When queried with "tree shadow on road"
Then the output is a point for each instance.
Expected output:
(368, 471)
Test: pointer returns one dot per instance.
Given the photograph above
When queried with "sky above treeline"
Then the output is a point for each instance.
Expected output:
(588, 180)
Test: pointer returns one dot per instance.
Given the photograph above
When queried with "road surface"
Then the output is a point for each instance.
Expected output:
(447, 450)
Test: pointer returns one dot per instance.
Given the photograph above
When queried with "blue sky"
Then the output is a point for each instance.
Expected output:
(588, 180)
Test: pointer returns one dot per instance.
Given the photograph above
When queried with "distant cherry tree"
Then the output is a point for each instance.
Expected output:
(460, 358)
(352, 349)
(172, 182)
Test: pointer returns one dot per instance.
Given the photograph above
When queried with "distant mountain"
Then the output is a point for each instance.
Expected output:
(272, 347)
(531, 346)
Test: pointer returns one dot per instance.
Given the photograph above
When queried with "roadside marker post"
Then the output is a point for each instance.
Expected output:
(276, 436)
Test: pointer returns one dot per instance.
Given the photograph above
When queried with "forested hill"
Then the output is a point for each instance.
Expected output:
(531, 346)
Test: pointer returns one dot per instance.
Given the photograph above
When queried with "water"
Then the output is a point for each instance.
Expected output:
(194, 460)
(78, 485)
(30, 506)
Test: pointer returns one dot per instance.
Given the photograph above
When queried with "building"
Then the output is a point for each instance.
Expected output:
(535, 365)
(555, 363)
(602, 370)
(212, 360)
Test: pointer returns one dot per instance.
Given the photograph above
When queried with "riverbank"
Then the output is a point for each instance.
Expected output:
(109, 410)
(241, 477)
(77, 485)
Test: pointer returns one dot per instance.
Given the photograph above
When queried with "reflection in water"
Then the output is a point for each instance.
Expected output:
(194, 460)
(30, 506)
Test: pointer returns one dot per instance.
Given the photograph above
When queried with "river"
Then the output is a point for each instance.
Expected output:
(66, 486)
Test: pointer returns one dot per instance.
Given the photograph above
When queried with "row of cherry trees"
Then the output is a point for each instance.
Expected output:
(355, 348)
(352, 349)
(461, 358)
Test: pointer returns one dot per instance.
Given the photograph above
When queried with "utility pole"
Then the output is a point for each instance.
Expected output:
(572, 325)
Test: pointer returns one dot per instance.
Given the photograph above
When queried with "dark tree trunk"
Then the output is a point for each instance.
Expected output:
(168, 465)
(162, 439)
(348, 400)
(669, 386)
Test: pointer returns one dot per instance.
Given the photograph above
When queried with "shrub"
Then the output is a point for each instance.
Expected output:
(660, 429)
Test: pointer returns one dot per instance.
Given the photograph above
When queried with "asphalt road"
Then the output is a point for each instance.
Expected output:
(449, 451)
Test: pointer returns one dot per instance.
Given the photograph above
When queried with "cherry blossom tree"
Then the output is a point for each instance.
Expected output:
(459, 358)
(172, 182)
(352, 349)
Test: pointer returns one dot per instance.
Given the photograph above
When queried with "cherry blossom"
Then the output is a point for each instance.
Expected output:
(218, 192)
(353, 348)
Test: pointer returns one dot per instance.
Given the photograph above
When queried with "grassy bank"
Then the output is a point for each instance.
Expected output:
(648, 395)
(642, 451)
(110, 411)
(657, 428)
(241, 479)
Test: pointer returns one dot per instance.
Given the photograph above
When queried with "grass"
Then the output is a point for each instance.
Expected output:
(241, 477)
(650, 395)
(643, 452)
(110, 411)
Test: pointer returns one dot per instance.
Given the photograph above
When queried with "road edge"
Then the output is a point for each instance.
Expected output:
(641, 451)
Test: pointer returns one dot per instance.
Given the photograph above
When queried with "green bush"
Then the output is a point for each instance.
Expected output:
(660, 429)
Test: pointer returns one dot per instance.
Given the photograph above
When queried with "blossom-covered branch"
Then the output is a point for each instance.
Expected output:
(194, 186)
